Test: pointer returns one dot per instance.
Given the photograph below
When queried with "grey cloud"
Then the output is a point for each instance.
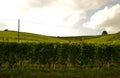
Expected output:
(113, 20)
(108, 19)
(89, 4)
(113, 24)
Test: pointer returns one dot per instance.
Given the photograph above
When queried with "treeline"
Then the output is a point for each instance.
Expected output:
(58, 56)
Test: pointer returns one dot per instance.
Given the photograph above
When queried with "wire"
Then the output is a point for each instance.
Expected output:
(46, 24)
(33, 22)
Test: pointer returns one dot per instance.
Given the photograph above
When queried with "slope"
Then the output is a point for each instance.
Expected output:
(12, 36)
(79, 38)
(110, 38)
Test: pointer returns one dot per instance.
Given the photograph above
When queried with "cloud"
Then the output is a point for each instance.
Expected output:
(72, 4)
(12, 9)
(62, 12)
(2, 26)
(57, 15)
(43, 16)
(107, 18)
(46, 15)
(88, 4)
(41, 3)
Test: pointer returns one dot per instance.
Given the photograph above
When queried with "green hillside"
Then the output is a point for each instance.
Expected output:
(79, 38)
(111, 38)
(12, 36)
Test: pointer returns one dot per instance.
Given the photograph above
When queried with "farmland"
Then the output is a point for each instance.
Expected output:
(38, 55)
(100, 39)
(12, 36)
(109, 39)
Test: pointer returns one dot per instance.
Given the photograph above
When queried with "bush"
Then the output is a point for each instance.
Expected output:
(58, 56)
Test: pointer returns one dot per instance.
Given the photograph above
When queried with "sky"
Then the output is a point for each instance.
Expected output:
(61, 17)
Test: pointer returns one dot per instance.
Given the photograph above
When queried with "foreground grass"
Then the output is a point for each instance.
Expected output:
(79, 73)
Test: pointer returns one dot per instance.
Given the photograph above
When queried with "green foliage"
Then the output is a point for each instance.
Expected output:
(104, 32)
(58, 56)
(78, 73)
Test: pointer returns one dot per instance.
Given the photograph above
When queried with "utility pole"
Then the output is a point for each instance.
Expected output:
(18, 30)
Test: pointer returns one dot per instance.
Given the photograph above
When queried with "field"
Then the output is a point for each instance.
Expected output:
(100, 39)
(38, 56)
(12, 36)
(82, 73)
(109, 39)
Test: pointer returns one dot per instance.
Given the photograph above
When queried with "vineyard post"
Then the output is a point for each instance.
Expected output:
(18, 30)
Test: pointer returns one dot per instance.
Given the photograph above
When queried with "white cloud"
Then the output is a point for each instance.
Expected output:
(51, 31)
(60, 15)
(59, 10)
(12, 9)
(72, 4)
(56, 11)
(41, 3)
(107, 18)
(2, 26)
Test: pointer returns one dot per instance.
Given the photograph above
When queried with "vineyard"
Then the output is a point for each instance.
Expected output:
(58, 56)
(38, 55)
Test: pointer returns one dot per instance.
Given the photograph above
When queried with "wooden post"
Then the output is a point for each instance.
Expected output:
(18, 30)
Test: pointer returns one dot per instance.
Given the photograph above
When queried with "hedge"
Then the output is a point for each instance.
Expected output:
(58, 56)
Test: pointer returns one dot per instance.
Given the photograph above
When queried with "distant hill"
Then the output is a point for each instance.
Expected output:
(110, 38)
(12, 36)
(79, 38)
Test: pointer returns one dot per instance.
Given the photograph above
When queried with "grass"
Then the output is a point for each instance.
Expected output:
(12, 36)
(110, 38)
(78, 38)
(80, 73)
(100, 39)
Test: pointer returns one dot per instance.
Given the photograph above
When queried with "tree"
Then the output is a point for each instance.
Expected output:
(6, 30)
(104, 32)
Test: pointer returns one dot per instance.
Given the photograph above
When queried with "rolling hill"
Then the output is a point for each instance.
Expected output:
(12, 36)
(79, 38)
(110, 38)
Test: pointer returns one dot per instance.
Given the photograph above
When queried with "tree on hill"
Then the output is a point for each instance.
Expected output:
(104, 32)
(6, 30)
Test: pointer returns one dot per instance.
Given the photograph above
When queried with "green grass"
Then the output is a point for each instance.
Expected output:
(110, 38)
(100, 39)
(12, 36)
(79, 73)
(78, 38)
